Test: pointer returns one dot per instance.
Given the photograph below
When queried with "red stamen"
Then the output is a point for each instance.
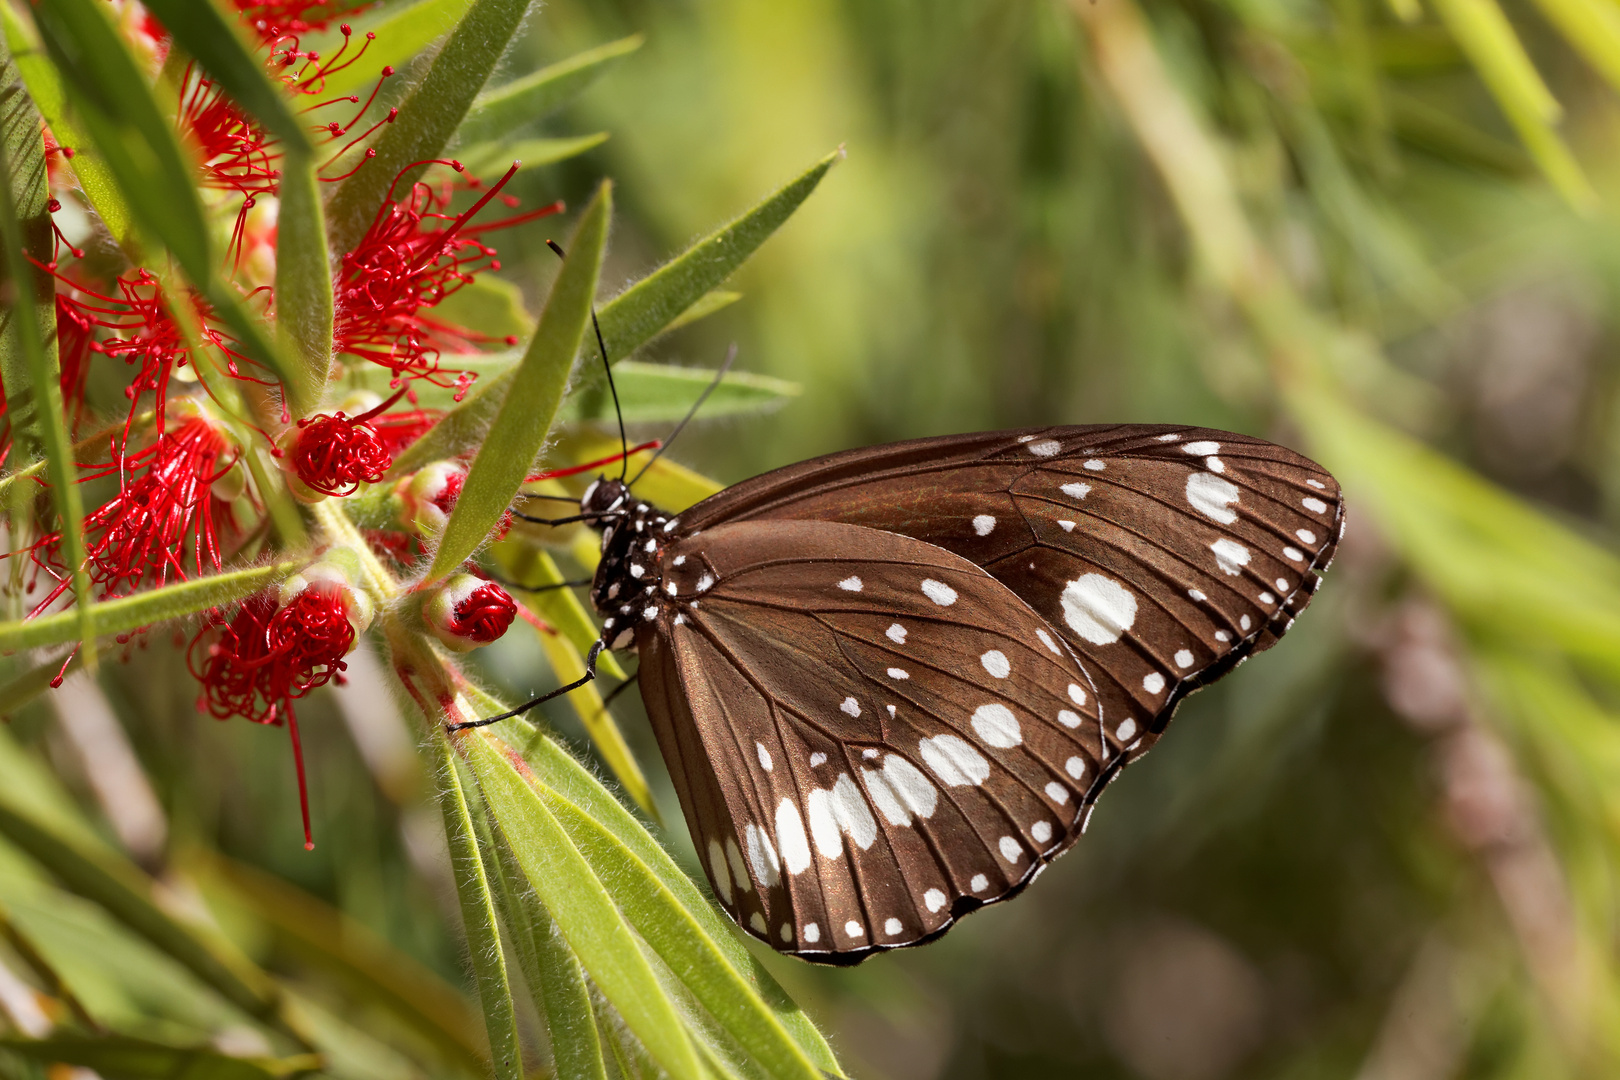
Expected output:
(572, 470)
(484, 615)
(335, 454)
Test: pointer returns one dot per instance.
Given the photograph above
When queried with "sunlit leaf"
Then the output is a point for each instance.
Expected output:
(530, 399)
(522, 101)
(493, 158)
(403, 34)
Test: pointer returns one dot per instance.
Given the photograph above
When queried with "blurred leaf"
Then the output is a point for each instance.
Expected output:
(403, 34)
(215, 42)
(28, 685)
(427, 119)
(153, 606)
(130, 129)
(373, 970)
(303, 294)
(45, 86)
(491, 305)
(99, 874)
(489, 158)
(530, 399)
(583, 909)
(42, 969)
(706, 305)
(1494, 48)
(125, 1057)
(666, 484)
(28, 358)
(1593, 28)
(499, 112)
(663, 392)
(598, 823)
(651, 304)
(478, 919)
(553, 975)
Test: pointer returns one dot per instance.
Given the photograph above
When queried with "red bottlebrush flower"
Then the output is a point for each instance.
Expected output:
(466, 612)
(427, 496)
(405, 265)
(334, 455)
(270, 654)
(272, 20)
(162, 518)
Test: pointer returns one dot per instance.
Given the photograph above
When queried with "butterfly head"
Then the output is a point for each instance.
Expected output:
(605, 498)
(627, 586)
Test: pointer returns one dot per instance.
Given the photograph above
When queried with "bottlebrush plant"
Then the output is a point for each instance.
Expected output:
(308, 446)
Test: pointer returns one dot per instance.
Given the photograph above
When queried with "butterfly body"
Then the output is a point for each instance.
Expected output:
(890, 683)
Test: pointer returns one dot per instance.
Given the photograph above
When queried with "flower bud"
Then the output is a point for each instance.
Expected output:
(428, 495)
(466, 612)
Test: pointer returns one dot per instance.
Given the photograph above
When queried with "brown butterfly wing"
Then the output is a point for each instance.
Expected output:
(1164, 555)
(870, 736)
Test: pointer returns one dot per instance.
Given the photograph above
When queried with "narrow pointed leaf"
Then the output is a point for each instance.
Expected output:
(555, 980)
(428, 118)
(585, 913)
(489, 158)
(654, 392)
(28, 333)
(46, 87)
(533, 392)
(551, 766)
(522, 101)
(402, 36)
(478, 917)
(153, 606)
(304, 309)
(127, 1057)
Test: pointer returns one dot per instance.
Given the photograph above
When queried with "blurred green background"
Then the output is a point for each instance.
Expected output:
(1385, 850)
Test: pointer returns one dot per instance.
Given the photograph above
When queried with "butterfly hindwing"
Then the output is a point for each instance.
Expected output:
(881, 734)
(1163, 555)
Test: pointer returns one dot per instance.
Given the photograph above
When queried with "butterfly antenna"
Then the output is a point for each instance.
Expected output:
(731, 356)
(601, 345)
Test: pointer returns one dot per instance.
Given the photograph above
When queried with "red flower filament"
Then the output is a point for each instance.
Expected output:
(484, 615)
(264, 659)
(335, 454)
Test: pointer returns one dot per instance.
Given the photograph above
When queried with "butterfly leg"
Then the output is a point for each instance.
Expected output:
(589, 676)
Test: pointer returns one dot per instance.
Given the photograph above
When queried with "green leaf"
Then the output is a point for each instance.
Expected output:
(665, 484)
(45, 86)
(636, 315)
(216, 43)
(655, 301)
(478, 918)
(531, 396)
(87, 867)
(560, 608)
(304, 310)
(553, 974)
(428, 118)
(402, 36)
(585, 914)
(569, 781)
(1494, 48)
(662, 392)
(491, 158)
(131, 130)
(28, 334)
(706, 305)
(368, 966)
(500, 112)
(493, 305)
(126, 1057)
(1593, 28)
(152, 606)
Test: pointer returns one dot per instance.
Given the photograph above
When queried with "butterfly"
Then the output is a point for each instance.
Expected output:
(890, 683)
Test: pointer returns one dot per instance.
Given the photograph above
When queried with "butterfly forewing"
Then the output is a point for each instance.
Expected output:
(869, 734)
(1163, 555)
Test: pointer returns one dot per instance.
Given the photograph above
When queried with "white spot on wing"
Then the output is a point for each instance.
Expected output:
(955, 762)
(764, 756)
(823, 824)
(1313, 504)
(995, 662)
(1057, 793)
(1066, 526)
(1096, 466)
(790, 838)
(1222, 635)
(1076, 491)
(939, 592)
(1046, 639)
(1075, 767)
(997, 726)
(912, 787)
(1197, 594)
(1097, 608)
(757, 921)
(1011, 850)
(1077, 694)
(851, 812)
(1126, 729)
(1243, 622)
(1212, 496)
(854, 929)
(1215, 464)
(893, 926)
(896, 633)
(1041, 831)
(739, 869)
(705, 583)
(786, 931)
(899, 673)
(1184, 658)
(817, 759)
(1153, 683)
(1306, 536)
(1293, 554)
(1201, 448)
(812, 933)
(850, 707)
(979, 883)
(762, 856)
(1068, 719)
(983, 523)
(1317, 484)
(1168, 437)
(1230, 555)
(934, 899)
(850, 584)
(1045, 448)
(717, 867)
